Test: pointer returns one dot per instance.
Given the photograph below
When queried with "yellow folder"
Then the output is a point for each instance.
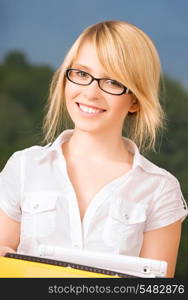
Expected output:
(11, 267)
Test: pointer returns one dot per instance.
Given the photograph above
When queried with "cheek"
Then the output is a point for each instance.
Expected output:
(121, 105)
(70, 94)
(120, 108)
(71, 91)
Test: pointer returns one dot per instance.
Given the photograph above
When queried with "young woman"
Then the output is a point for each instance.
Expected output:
(91, 188)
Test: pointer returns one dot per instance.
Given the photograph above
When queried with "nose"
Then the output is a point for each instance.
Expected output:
(92, 90)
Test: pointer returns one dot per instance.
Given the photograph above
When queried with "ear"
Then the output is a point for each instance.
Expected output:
(134, 106)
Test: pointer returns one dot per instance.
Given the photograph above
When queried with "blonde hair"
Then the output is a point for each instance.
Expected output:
(129, 56)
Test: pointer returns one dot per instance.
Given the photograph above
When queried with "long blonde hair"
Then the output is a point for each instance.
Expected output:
(129, 56)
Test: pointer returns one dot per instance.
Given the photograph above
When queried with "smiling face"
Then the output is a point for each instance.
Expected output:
(90, 108)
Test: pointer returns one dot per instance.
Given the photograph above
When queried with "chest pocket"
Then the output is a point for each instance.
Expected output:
(124, 228)
(39, 214)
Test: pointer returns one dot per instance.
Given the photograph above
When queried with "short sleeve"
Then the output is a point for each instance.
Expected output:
(10, 187)
(168, 205)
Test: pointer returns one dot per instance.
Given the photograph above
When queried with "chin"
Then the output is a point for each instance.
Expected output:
(89, 128)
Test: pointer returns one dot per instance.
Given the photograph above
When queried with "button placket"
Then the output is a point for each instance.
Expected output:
(75, 223)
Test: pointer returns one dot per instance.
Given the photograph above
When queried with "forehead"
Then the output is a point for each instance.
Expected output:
(88, 59)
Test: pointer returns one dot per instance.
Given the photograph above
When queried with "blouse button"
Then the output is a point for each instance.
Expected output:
(127, 217)
(35, 206)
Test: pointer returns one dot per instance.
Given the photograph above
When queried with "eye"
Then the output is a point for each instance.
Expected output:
(113, 83)
(81, 74)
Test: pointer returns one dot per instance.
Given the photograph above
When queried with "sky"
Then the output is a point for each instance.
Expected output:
(45, 29)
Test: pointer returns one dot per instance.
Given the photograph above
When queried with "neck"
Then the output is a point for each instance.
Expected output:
(96, 146)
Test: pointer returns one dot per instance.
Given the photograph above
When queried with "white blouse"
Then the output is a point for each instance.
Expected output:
(36, 190)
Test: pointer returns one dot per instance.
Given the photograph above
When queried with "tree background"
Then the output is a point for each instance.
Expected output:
(24, 89)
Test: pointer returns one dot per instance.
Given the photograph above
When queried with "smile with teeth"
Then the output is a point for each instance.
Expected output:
(89, 110)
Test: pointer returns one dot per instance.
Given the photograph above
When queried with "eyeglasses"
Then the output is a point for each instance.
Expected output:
(107, 85)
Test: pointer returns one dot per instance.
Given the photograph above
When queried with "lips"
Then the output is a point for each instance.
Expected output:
(90, 109)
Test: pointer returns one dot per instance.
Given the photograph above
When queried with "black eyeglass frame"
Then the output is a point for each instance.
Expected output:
(125, 91)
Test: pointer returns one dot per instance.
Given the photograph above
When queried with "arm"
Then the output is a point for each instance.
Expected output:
(9, 234)
(163, 244)
(10, 213)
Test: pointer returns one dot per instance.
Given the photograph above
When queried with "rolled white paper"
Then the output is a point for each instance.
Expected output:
(131, 265)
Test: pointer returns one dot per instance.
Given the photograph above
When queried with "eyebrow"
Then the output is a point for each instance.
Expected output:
(88, 69)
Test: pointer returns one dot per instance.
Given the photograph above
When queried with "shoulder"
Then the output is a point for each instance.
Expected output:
(27, 154)
(159, 181)
(154, 170)
(166, 186)
(148, 169)
(37, 152)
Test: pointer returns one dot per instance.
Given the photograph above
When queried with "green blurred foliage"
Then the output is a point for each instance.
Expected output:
(23, 94)
(24, 89)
